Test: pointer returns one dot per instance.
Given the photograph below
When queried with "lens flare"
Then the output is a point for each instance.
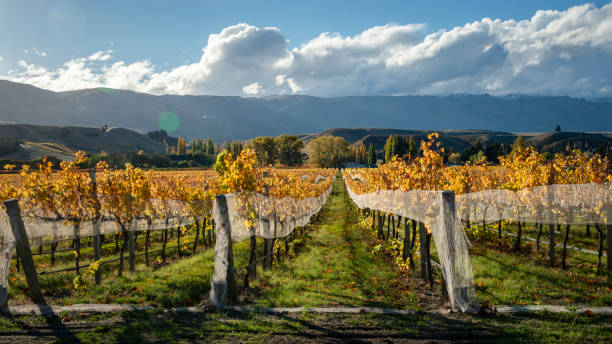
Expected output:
(169, 121)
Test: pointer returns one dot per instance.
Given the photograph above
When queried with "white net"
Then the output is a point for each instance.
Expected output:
(270, 217)
(437, 211)
(44, 228)
(567, 204)
(241, 216)
(572, 204)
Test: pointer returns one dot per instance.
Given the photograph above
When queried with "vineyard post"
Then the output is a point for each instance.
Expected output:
(423, 251)
(223, 283)
(195, 241)
(23, 250)
(96, 224)
(252, 269)
(551, 218)
(609, 223)
(448, 216)
(131, 244)
(406, 248)
(467, 191)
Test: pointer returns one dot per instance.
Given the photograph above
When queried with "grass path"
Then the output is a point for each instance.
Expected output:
(334, 267)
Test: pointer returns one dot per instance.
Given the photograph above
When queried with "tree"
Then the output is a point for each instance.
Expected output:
(289, 150)
(181, 148)
(412, 148)
(328, 151)
(235, 148)
(519, 143)
(362, 154)
(265, 149)
(558, 129)
(371, 155)
(494, 151)
(210, 147)
(392, 147)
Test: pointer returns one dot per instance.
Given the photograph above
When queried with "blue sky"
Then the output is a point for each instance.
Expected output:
(169, 35)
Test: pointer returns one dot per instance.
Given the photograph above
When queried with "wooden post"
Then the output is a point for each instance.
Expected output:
(23, 249)
(77, 247)
(97, 245)
(406, 248)
(178, 241)
(223, 282)
(422, 249)
(551, 222)
(267, 253)
(131, 245)
(609, 223)
(195, 241)
(609, 239)
(252, 269)
(469, 206)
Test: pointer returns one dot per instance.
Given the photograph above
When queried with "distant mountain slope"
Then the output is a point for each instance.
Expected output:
(27, 142)
(226, 118)
(459, 140)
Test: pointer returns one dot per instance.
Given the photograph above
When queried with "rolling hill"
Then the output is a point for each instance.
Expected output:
(30, 142)
(227, 118)
(459, 140)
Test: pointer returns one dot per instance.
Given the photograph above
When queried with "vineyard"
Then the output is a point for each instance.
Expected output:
(186, 237)
(84, 221)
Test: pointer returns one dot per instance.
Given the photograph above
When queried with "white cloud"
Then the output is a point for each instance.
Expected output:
(101, 55)
(35, 51)
(1, 58)
(554, 52)
(252, 89)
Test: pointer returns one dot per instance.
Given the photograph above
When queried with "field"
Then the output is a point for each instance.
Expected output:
(341, 258)
(332, 266)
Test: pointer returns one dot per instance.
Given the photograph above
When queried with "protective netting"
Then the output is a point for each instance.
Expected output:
(270, 217)
(571, 204)
(437, 211)
(240, 216)
(45, 228)
(567, 204)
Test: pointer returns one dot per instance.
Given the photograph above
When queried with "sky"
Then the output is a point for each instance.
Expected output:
(322, 48)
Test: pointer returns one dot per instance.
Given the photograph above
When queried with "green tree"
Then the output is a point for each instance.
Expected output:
(328, 151)
(265, 149)
(235, 148)
(412, 148)
(181, 148)
(210, 147)
(371, 155)
(363, 159)
(392, 147)
(289, 150)
(519, 142)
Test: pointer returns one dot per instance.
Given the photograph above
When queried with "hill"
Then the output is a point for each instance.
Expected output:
(227, 118)
(459, 140)
(29, 142)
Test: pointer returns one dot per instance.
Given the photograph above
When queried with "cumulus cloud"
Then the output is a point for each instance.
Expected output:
(252, 89)
(554, 52)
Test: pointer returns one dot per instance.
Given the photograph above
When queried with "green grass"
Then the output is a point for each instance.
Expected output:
(58, 288)
(503, 276)
(335, 267)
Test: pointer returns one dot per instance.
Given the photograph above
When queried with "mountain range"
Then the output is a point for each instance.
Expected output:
(225, 118)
